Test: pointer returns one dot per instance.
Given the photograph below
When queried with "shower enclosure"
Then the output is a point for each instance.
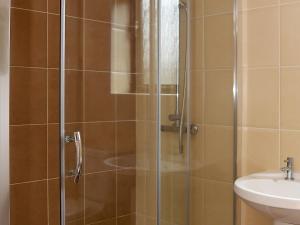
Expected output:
(140, 113)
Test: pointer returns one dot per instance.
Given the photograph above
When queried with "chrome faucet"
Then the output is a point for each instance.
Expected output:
(289, 168)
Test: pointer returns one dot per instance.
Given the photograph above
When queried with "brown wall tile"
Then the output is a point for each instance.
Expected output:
(74, 96)
(74, 43)
(54, 6)
(99, 146)
(127, 220)
(28, 96)
(126, 106)
(99, 10)
(28, 38)
(53, 151)
(54, 207)
(126, 184)
(126, 138)
(53, 40)
(99, 101)
(28, 153)
(75, 8)
(106, 222)
(28, 203)
(74, 202)
(40, 5)
(53, 96)
(100, 197)
(97, 46)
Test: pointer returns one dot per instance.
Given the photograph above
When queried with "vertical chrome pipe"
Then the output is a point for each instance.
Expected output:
(62, 109)
(183, 6)
(177, 94)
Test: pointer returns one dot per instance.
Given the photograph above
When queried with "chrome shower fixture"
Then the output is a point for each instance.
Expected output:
(182, 5)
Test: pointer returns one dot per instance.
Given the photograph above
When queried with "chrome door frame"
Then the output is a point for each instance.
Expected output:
(4, 111)
(62, 110)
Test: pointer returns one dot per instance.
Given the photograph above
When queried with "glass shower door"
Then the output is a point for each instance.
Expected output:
(107, 97)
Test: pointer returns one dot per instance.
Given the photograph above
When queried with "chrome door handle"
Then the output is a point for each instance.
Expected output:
(78, 146)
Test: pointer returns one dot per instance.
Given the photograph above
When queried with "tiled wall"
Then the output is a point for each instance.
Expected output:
(100, 102)
(211, 193)
(269, 82)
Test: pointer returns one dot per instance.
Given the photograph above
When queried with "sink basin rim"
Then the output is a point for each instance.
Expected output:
(262, 198)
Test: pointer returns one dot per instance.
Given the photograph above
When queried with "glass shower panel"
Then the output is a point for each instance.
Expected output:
(110, 99)
(196, 167)
(173, 148)
(212, 109)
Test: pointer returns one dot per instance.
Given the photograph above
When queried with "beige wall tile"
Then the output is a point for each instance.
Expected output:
(218, 97)
(250, 4)
(217, 6)
(218, 206)
(289, 147)
(197, 153)
(261, 40)
(288, 1)
(196, 96)
(252, 216)
(140, 192)
(290, 34)
(218, 154)
(260, 151)
(197, 43)
(196, 201)
(218, 41)
(261, 98)
(290, 97)
(196, 8)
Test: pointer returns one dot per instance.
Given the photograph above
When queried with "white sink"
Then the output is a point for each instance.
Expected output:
(270, 193)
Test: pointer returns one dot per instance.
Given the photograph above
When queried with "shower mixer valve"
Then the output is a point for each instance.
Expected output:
(174, 117)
